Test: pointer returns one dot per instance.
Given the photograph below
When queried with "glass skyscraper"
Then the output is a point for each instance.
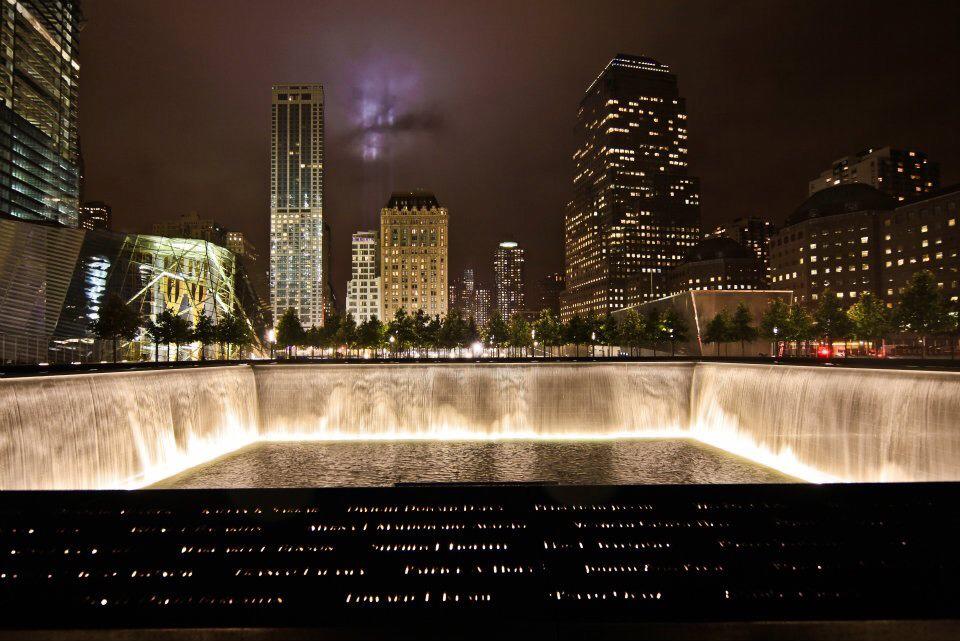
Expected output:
(635, 211)
(299, 250)
(39, 82)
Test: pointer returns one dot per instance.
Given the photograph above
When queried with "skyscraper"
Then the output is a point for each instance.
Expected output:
(904, 174)
(413, 254)
(363, 288)
(753, 232)
(508, 279)
(39, 82)
(299, 272)
(548, 293)
(96, 214)
(635, 210)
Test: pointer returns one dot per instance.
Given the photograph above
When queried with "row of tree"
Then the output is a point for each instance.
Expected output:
(118, 321)
(418, 333)
(922, 311)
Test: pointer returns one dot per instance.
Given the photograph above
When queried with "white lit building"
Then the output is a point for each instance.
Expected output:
(363, 288)
(299, 250)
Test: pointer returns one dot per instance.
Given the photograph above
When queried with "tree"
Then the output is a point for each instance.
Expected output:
(675, 328)
(167, 323)
(549, 330)
(290, 332)
(314, 339)
(156, 335)
(422, 340)
(205, 333)
(653, 328)
(497, 332)
(370, 334)
(632, 330)
(801, 327)
(240, 333)
(923, 309)
(831, 318)
(869, 319)
(347, 332)
(401, 330)
(520, 333)
(330, 332)
(180, 332)
(116, 321)
(773, 323)
(718, 330)
(741, 328)
(577, 332)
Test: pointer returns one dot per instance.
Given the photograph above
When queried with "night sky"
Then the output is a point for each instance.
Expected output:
(175, 104)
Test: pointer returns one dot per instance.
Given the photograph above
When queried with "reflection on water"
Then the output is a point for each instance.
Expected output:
(383, 463)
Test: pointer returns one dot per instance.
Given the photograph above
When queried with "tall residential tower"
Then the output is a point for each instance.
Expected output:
(299, 264)
(508, 279)
(635, 210)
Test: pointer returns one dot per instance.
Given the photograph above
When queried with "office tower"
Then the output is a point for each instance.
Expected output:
(482, 306)
(548, 293)
(363, 288)
(903, 174)
(508, 279)
(717, 263)
(96, 215)
(461, 297)
(299, 243)
(237, 243)
(413, 254)
(191, 225)
(853, 239)
(752, 232)
(635, 210)
(39, 81)
(830, 243)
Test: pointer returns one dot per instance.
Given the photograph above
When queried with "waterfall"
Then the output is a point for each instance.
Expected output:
(833, 423)
(124, 429)
(473, 401)
(127, 429)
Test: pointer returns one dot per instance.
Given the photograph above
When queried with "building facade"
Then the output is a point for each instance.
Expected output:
(96, 215)
(509, 282)
(238, 243)
(55, 279)
(752, 232)
(635, 210)
(922, 234)
(299, 243)
(39, 84)
(717, 264)
(903, 174)
(191, 225)
(363, 288)
(548, 293)
(470, 299)
(831, 243)
(413, 254)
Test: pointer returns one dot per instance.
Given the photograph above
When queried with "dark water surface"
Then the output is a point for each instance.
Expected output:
(384, 463)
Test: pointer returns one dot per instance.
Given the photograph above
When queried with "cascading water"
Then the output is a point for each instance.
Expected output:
(833, 423)
(121, 429)
(473, 401)
(128, 429)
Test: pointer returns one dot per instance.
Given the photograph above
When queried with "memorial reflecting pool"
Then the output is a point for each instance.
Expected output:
(384, 463)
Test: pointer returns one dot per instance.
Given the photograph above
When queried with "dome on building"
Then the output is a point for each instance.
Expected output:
(718, 248)
(841, 199)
